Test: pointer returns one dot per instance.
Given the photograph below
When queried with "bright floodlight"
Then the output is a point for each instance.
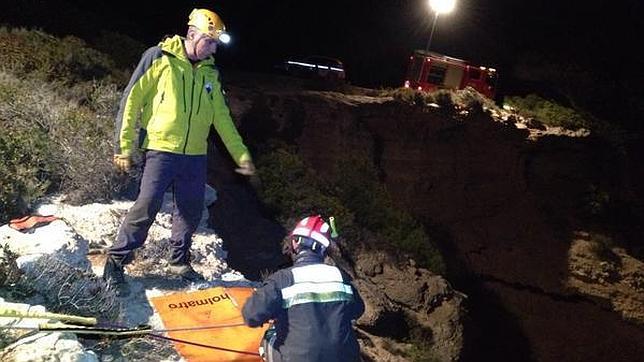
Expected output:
(439, 7)
(442, 6)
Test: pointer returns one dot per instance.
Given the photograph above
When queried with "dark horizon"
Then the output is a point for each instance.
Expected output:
(375, 38)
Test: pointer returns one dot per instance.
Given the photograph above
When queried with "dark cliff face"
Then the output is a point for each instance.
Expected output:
(503, 200)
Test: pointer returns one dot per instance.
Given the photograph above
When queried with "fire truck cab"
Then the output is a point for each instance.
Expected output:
(429, 71)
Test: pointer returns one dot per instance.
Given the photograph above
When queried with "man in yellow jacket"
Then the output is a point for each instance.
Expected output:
(176, 92)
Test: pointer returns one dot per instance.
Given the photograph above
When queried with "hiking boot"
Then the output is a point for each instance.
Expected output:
(186, 272)
(115, 278)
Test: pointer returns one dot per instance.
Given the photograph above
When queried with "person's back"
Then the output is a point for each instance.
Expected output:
(312, 305)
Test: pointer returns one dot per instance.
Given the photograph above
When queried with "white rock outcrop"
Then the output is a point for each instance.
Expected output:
(94, 227)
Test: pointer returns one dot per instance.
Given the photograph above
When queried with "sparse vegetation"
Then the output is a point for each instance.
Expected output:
(70, 290)
(420, 353)
(548, 112)
(9, 272)
(410, 96)
(420, 346)
(57, 103)
(291, 190)
(405, 95)
(469, 98)
(354, 196)
(446, 99)
(357, 184)
(601, 246)
(34, 54)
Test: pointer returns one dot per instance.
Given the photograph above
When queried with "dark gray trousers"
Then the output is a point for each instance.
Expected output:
(187, 177)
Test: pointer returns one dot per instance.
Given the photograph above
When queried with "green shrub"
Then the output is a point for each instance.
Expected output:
(354, 196)
(9, 272)
(405, 95)
(58, 99)
(548, 112)
(446, 99)
(442, 97)
(419, 352)
(471, 99)
(290, 190)
(32, 53)
(54, 141)
(24, 170)
(358, 185)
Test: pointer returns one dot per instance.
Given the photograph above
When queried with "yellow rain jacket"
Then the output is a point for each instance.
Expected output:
(178, 102)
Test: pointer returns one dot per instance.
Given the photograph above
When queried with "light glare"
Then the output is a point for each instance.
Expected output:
(224, 38)
(442, 6)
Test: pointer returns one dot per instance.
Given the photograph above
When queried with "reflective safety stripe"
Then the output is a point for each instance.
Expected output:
(302, 231)
(319, 237)
(316, 273)
(316, 293)
(317, 283)
(318, 288)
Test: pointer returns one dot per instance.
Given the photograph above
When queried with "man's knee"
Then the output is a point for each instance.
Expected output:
(143, 211)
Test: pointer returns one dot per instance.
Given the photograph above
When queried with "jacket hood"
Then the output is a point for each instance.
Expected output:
(174, 46)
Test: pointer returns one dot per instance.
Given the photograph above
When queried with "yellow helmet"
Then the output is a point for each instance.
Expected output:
(209, 23)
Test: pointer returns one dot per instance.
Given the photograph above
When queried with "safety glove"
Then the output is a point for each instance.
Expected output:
(246, 168)
(123, 163)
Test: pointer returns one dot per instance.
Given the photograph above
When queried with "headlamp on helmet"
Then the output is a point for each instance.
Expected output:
(224, 38)
(210, 24)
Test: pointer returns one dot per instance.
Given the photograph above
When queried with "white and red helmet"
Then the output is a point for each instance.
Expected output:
(313, 232)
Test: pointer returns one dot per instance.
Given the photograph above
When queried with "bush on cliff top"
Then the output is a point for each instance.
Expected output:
(447, 100)
(532, 106)
(548, 112)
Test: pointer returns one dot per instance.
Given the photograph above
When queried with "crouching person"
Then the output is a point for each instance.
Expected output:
(312, 304)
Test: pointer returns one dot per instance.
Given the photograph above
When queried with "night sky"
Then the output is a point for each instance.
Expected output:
(375, 37)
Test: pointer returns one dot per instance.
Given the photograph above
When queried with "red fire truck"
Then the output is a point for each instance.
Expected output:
(429, 71)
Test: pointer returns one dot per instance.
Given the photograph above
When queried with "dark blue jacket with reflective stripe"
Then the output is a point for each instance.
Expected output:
(313, 305)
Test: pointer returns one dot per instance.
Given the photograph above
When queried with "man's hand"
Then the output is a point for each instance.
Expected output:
(246, 168)
(123, 163)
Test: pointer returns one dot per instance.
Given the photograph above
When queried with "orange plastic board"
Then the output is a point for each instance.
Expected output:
(208, 308)
(31, 221)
